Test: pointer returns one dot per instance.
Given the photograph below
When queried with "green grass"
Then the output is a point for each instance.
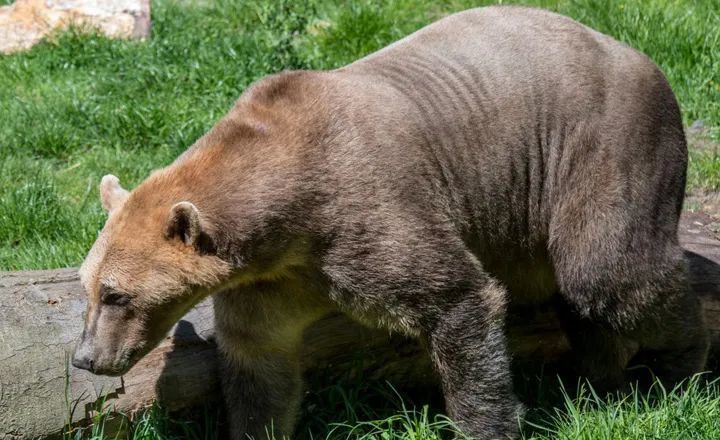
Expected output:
(660, 414)
(79, 106)
(693, 413)
(704, 170)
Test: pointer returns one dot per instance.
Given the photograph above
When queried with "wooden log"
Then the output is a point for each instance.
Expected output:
(41, 316)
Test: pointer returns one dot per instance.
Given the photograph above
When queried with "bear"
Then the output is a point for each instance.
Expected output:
(500, 156)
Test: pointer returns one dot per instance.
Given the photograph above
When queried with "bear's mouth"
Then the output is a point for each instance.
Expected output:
(113, 371)
(127, 359)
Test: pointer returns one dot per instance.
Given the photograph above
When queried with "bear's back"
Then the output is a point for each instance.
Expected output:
(496, 116)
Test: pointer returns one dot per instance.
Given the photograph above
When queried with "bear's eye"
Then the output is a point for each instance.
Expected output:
(112, 297)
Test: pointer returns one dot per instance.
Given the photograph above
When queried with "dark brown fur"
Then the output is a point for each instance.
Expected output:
(501, 155)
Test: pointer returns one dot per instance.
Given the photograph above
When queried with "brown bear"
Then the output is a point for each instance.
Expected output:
(501, 155)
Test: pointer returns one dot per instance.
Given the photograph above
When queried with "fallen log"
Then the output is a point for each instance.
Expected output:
(41, 315)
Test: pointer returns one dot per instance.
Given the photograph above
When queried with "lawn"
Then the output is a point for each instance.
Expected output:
(79, 106)
(340, 412)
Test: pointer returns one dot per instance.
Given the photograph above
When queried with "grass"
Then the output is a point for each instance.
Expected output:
(79, 106)
(690, 413)
(704, 170)
(659, 414)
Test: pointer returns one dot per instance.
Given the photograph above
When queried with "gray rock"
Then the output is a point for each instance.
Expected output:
(697, 126)
(25, 22)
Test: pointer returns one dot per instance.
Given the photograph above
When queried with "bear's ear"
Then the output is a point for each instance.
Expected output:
(112, 195)
(184, 223)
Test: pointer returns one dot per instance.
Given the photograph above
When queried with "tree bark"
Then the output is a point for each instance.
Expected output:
(41, 316)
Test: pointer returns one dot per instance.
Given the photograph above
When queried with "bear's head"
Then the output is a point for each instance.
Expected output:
(151, 263)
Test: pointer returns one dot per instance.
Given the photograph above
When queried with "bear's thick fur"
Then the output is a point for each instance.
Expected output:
(501, 155)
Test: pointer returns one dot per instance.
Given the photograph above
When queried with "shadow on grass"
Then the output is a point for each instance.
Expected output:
(356, 408)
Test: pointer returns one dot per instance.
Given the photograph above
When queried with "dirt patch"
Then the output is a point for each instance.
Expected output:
(707, 203)
(699, 138)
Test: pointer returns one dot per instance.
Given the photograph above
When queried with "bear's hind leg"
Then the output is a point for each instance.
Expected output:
(599, 353)
(674, 344)
(628, 289)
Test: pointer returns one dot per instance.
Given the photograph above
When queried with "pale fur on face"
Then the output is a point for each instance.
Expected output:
(154, 267)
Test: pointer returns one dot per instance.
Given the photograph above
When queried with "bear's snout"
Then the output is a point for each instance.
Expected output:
(83, 357)
(108, 363)
(83, 361)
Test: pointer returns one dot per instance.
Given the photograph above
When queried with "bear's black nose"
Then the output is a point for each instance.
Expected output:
(83, 362)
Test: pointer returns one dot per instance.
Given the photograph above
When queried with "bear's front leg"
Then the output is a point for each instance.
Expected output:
(468, 348)
(259, 331)
(262, 395)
